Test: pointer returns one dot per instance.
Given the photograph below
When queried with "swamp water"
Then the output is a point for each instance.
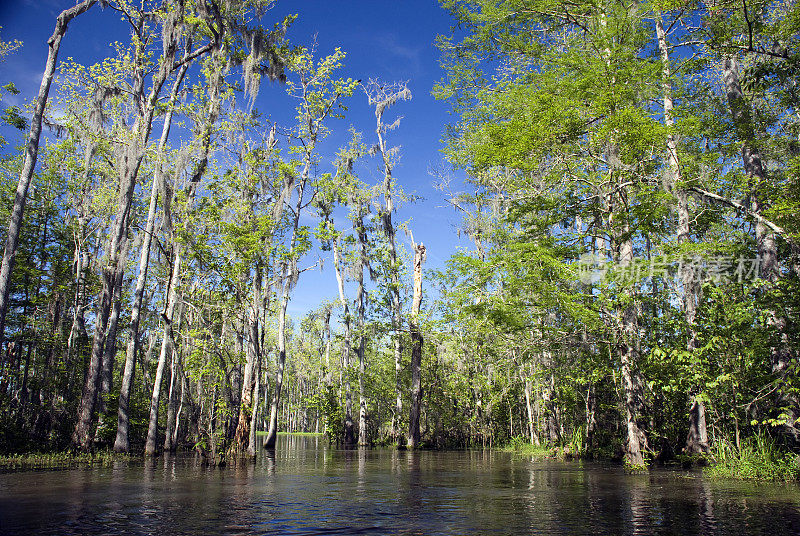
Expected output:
(307, 487)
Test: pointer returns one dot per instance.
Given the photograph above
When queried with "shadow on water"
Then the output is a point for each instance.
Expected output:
(305, 486)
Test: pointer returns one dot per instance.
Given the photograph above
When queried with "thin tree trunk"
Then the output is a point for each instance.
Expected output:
(360, 312)
(382, 99)
(534, 436)
(81, 436)
(175, 366)
(289, 279)
(178, 413)
(697, 440)
(251, 446)
(82, 261)
(110, 346)
(129, 164)
(166, 317)
(272, 434)
(416, 351)
(122, 443)
(327, 333)
(349, 434)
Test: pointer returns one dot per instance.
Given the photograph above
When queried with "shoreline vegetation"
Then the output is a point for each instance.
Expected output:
(626, 185)
(757, 459)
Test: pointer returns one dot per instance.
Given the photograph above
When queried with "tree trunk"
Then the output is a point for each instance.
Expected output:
(534, 436)
(416, 351)
(673, 185)
(166, 317)
(128, 163)
(327, 333)
(349, 435)
(246, 407)
(360, 312)
(636, 442)
(175, 367)
(81, 436)
(272, 434)
(110, 346)
(31, 155)
(122, 443)
(780, 353)
(382, 99)
(251, 446)
(697, 439)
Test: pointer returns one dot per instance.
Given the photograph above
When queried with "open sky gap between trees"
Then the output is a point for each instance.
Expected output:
(623, 178)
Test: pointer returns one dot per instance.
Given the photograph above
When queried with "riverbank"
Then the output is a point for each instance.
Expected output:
(756, 459)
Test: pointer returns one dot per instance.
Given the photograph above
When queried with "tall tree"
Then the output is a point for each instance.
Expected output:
(382, 96)
(32, 153)
(416, 350)
(319, 98)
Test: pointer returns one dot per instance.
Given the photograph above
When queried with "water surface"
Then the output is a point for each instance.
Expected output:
(306, 487)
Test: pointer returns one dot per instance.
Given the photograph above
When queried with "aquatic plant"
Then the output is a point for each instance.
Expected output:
(757, 458)
(60, 459)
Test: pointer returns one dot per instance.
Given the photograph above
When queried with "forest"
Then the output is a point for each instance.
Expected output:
(627, 173)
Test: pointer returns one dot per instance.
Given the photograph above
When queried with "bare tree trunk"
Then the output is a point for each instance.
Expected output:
(382, 97)
(31, 155)
(122, 443)
(82, 262)
(272, 434)
(110, 347)
(416, 351)
(360, 312)
(166, 317)
(780, 353)
(697, 440)
(591, 419)
(327, 332)
(534, 436)
(175, 367)
(246, 407)
(349, 435)
(183, 401)
(636, 441)
(81, 436)
(289, 276)
(129, 163)
(251, 446)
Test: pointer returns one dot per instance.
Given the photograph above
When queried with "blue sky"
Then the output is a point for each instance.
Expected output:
(388, 40)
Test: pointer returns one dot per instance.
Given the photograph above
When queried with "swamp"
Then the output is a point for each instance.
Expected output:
(454, 267)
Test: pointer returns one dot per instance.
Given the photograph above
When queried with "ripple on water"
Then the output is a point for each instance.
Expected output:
(309, 489)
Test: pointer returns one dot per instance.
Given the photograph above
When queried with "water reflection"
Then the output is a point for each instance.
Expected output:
(307, 487)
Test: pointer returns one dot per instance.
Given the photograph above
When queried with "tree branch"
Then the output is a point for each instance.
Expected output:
(738, 206)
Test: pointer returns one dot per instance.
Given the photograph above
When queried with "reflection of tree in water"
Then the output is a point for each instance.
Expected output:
(412, 501)
(708, 523)
(640, 505)
(362, 470)
(268, 462)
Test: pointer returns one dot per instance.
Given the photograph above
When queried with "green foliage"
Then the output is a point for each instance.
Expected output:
(561, 132)
(330, 411)
(757, 458)
(519, 446)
